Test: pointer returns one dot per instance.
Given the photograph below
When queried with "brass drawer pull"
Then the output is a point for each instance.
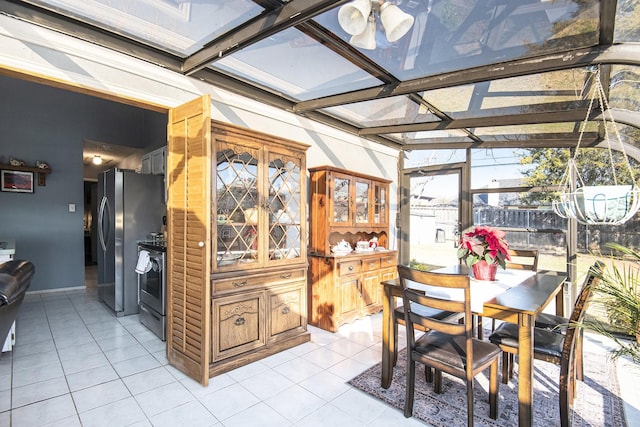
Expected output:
(286, 310)
(285, 276)
(239, 284)
(239, 321)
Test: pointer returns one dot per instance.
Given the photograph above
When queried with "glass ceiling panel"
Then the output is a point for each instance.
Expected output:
(624, 90)
(515, 95)
(431, 136)
(449, 35)
(394, 110)
(419, 158)
(296, 65)
(177, 26)
(627, 26)
(541, 128)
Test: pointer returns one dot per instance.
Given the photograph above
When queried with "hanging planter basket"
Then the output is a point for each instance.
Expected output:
(599, 204)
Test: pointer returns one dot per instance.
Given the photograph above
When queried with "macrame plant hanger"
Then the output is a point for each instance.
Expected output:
(598, 204)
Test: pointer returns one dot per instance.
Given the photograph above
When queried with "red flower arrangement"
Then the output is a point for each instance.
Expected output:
(484, 244)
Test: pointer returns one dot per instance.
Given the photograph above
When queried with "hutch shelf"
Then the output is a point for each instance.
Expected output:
(343, 287)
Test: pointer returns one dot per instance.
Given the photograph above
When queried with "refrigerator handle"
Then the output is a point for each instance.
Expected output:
(104, 206)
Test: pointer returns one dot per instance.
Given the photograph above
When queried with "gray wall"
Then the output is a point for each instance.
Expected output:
(38, 122)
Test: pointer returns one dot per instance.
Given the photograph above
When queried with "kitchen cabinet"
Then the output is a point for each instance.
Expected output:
(154, 162)
(352, 207)
(237, 279)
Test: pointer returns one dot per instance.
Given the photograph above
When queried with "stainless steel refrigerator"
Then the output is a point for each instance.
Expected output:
(130, 206)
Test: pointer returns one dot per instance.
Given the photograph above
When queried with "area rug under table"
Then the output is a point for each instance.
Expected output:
(597, 400)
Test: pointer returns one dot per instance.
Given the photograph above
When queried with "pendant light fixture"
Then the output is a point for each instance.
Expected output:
(598, 204)
(359, 18)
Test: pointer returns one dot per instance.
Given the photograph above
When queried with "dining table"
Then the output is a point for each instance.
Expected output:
(516, 296)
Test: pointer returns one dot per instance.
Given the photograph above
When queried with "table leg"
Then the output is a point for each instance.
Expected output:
(525, 370)
(388, 341)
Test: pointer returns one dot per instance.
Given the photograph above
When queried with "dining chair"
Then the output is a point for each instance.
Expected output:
(550, 346)
(521, 259)
(447, 346)
(398, 319)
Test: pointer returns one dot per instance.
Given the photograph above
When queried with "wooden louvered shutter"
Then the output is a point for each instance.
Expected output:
(189, 246)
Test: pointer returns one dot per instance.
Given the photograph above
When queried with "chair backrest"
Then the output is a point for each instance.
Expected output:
(435, 300)
(523, 259)
(577, 316)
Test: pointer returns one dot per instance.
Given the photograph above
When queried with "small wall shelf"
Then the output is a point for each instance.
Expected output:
(42, 173)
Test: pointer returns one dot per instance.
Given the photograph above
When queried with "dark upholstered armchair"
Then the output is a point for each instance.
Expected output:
(15, 278)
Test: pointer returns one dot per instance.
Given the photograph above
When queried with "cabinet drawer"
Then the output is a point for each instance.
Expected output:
(370, 264)
(349, 267)
(238, 324)
(249, 282)
(287, 309)
(388, 261)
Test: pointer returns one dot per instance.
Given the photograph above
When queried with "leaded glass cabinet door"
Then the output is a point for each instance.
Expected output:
(340, 199)
(237, 207)
(380, 201)
(284, 207)
(362, 206)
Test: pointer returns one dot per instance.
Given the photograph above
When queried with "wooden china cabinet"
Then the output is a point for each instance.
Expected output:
(352, 207)
(237, 249)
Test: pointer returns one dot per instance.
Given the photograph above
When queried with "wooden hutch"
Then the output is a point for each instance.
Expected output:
(237, 260)
(353, 207)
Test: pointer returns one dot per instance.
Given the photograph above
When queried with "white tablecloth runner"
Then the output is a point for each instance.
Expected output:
(481, 290)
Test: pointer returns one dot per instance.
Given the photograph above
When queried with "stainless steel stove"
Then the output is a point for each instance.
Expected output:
(152, 288)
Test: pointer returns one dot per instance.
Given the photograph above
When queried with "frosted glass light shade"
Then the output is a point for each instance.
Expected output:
(97, 160)
(367, 38)
(396, 23)
(353, 16)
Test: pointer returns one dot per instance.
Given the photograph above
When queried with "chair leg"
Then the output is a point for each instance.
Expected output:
(428, 374)
(493, 390)
(437, 381)
(470, 403)
(505, 367)
(408, 401)
(512, 362)
(566, 384)
(579, 356)
(395, 340)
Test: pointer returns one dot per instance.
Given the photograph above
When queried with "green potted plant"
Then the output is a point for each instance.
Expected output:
(618, 293)
(483, 249)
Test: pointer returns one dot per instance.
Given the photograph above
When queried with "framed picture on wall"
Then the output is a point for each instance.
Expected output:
(16, 181)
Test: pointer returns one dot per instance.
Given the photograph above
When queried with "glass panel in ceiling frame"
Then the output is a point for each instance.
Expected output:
(534, 129)
(624, 89)
(422, 158)
(296, 65)
(449, 35)
(431, 137)
(627, 25)
(552, 91)
(176, 26)
(396, 110)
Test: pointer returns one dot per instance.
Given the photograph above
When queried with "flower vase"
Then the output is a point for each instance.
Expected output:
(484, 271)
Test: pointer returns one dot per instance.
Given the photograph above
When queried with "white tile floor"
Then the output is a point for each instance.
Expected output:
(75, 364)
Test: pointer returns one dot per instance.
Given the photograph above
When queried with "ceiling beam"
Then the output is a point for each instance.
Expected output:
(288, 15)
(617, 54)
